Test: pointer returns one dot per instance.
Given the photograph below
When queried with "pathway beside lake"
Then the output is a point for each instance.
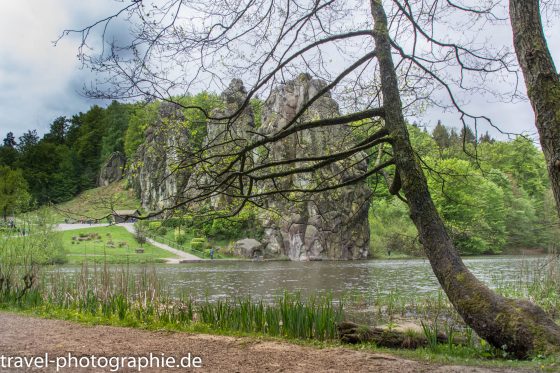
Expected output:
(30, 336)
(181, 255)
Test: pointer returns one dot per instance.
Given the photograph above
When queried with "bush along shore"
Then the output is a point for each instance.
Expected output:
(103, 294)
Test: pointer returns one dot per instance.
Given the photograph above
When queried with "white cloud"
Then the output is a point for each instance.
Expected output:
(39, 82)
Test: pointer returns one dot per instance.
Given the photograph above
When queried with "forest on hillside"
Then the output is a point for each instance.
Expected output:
(494, 196)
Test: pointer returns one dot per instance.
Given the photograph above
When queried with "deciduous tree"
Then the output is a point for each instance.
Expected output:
(379, 58)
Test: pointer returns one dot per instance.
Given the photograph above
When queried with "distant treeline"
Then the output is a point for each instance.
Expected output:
(66, 160)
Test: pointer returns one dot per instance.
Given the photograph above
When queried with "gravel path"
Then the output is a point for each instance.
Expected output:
(29, 336)
(182, 256)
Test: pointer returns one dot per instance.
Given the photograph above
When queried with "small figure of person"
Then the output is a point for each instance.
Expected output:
(212, 253)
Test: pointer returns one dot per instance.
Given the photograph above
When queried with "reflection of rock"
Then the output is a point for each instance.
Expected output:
(326, 225)
(112, 170)
(248, 248)
(154, 171)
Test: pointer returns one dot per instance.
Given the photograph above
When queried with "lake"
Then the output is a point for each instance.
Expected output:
(223, 279)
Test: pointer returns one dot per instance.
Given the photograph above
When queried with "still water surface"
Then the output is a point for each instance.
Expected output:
(222, 279)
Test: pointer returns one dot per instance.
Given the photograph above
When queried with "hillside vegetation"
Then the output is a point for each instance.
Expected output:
(97, 203)
(494, 196)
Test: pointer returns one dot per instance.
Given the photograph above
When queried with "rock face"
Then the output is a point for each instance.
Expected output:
(112, 170)
(155, 172)
(326, 225)
(248, 248)
(230, 133)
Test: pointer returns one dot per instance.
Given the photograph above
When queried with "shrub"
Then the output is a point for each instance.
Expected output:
(181, 239)
(199, 243)
(171, 223)
(154, 225)
(162, 231)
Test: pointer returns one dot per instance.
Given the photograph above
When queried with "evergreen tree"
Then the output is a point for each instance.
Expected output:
(441, 136)
(8, 156)
(10, 140)
(28, 140)
(58, 130)
(486, 138)
(467, 135)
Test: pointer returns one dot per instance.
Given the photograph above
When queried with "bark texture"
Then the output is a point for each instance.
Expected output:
(518, 327)
(542, 81)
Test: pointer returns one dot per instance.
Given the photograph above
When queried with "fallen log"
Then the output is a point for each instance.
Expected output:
(352, 333)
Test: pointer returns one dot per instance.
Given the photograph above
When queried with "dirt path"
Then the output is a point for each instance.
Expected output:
(29, 336)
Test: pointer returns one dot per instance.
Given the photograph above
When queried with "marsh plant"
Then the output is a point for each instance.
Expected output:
(116, 294)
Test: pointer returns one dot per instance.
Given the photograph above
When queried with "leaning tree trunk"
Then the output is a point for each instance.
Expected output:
(542, 81)
(516, 326)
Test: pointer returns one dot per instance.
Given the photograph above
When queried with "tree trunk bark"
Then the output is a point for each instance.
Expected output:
(517, 326)
(542, 81)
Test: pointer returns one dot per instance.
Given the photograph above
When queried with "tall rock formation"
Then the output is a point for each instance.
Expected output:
(155, 172)
(227, 133)
(112, 170)
(321, 226)
(325, 225)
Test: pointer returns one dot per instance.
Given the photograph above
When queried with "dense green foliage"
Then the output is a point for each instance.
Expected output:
(491, 194)
(67, 159)
(13, 191)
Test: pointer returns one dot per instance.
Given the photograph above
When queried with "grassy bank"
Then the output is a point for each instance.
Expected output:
(96, 203)
(476, 354)
(108, 245)
(114, 296)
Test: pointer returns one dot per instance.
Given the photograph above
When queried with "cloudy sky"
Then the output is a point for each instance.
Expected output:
(39, 82)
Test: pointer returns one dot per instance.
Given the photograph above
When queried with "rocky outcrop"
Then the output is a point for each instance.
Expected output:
(228, 134)
(112, 170)
(317, 226)
(248, 248)
(155, 171)
(325, 225)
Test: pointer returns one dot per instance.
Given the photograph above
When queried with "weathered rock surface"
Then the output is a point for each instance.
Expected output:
(248, 248)
(325, 225)
(155, 172)
(112, 170)
(228, 134)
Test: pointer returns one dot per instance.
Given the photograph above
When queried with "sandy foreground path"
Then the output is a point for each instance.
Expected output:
(30, 336)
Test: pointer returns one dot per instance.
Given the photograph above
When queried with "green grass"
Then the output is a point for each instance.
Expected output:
(169, 239)
(459, 355)
(99, 250)
(97, 203)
